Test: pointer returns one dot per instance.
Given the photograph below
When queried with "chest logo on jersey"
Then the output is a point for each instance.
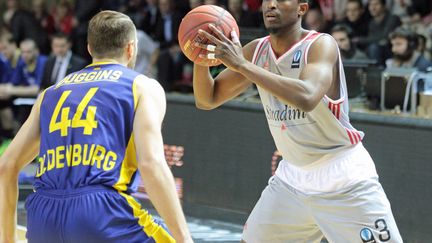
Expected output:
(296, 59)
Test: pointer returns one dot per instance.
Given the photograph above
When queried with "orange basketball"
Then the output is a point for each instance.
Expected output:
(199, 18)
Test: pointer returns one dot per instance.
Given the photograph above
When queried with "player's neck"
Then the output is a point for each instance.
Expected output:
(283, 41)
(109, 60)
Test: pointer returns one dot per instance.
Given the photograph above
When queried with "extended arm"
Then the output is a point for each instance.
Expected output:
(154, 170)
(211, 93)
(305, 92)
(22, 150)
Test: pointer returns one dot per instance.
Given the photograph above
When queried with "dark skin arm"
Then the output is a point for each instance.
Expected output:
(315, 81)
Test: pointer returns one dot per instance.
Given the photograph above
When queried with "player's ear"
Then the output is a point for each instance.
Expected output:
(302, 9)
(89, 49)
(130, 49)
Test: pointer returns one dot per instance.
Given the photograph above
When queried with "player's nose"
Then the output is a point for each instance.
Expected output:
(269, 4)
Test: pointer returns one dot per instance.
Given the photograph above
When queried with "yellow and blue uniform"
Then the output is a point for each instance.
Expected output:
(87, 162)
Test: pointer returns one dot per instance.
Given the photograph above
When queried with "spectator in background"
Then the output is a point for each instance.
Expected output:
(356, 18)
(135, 9)
(399, 7)
(10, 56)
(195, 3)
(43, 16)
(62, 62)
(84, 11)
(405, 53)
(6, 115)
(244, 18)
(253, 5)
(11, 53)
(28, 72)
(380, 26)
(63, 17)
(219, 3)
(170, 60)
(152, 14)
(26, 78)
(147, 54)
(422, 45)
(314, 20)
(23, 25)
(342, 35)
(332, 10)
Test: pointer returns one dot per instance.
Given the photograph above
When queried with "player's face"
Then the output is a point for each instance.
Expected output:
(281, 14)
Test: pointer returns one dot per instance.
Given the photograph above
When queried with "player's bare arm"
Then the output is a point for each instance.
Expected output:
(211, 93)
(305, 93)
(154, 170)
(22, 150)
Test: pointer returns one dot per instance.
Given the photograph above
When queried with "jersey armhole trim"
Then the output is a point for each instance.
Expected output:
(258, 48)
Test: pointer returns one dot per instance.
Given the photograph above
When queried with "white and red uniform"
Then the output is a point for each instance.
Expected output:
(323, 161)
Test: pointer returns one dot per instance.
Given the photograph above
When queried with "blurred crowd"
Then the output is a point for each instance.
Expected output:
(41, 41)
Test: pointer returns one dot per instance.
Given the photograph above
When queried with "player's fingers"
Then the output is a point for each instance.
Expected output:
(218, 32)
(210, 37)
(210, 55)
(234, 37)
(211, 48)
(207, 47)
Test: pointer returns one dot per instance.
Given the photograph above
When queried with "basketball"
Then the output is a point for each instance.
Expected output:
(199, 18)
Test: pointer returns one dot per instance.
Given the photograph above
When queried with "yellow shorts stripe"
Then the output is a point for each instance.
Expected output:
(146, 221)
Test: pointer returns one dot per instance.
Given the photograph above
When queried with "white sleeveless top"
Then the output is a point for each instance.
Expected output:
(321, 150)
(304, 137)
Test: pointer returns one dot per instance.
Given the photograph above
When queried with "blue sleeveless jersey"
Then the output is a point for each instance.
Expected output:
(86, 125)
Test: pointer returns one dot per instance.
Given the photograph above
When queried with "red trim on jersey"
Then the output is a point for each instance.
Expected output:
(291, 47)
(259, 49)
(354, 136)
(350, 136)
(335, 109)
(312, 36)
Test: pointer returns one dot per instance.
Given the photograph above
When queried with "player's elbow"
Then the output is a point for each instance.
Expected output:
(150, 167)
(204, 105)
(7, 168)
(307, 104)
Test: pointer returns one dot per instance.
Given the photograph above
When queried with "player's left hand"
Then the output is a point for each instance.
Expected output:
(228, 51)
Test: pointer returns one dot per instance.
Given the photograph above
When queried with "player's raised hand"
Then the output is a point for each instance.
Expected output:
(228, 51)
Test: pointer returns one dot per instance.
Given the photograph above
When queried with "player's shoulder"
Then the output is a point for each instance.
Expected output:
(148, 86)
(324, 47)
(324, 40)
(249, 48)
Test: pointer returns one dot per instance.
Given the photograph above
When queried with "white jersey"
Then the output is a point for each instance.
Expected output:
(304, 137)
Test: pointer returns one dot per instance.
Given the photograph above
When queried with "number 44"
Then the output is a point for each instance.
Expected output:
(89, 123)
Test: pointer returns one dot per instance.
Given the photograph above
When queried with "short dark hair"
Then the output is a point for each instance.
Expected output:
(359, 2)
(407, 34)
(60, 35)
(108, 33)
(303, 1)
(342, 28)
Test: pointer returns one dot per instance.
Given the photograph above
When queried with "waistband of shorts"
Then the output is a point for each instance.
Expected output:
(71, 192)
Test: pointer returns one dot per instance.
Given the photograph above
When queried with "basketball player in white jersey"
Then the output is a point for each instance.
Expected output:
(326, 183)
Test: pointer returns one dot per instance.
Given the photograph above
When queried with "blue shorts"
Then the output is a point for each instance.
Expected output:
(90, 214)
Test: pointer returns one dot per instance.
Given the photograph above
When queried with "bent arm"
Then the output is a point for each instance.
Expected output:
(25, 91)
(210, 93)
(21, 151)
(154, 170)
(313, 83)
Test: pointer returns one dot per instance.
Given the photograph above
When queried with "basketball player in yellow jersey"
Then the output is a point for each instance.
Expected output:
(92, 131)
